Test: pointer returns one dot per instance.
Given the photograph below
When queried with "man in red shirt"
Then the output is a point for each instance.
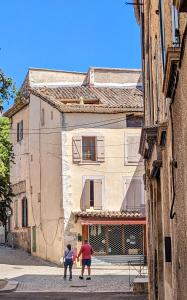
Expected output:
(86, 251)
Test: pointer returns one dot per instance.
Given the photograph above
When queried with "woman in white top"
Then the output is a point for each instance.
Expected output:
(68, 261)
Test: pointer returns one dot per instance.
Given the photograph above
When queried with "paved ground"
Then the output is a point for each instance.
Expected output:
(36, 275)
(68, 296)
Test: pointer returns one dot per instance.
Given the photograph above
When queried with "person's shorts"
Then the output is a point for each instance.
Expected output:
(68, 262)
(86, 262)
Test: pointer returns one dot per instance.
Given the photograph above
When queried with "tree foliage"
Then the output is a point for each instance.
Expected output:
(7, 91)
(6, 156)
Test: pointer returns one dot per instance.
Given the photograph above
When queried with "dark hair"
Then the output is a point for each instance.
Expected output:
(86, 241)
(69, 247)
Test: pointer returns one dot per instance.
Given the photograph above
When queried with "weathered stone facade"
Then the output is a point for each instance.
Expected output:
(164, 143)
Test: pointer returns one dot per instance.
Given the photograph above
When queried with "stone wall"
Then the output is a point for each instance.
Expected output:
(167, 280)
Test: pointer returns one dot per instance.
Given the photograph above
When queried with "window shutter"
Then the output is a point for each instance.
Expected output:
(98, 194)
(86, 195)
(76, 143)
(100, 149)
(133, 195)
(132, 149)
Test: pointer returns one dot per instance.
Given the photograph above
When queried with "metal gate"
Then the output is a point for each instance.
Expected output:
(117, 239)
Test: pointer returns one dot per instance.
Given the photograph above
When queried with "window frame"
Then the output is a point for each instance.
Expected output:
(24, 214)
(162, 33)
(20, 131)
(92, 178)
(93, 138)
(16, 213)
(92, 194)
(42, 117)
(175, 26)
(129, 118)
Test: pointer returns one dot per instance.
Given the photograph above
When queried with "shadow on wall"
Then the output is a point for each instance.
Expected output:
(70, 235)
(133, 188)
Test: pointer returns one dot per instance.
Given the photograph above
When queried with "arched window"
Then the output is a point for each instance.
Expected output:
(24, 212)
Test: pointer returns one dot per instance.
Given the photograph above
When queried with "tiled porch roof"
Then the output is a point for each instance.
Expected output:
(109, 214)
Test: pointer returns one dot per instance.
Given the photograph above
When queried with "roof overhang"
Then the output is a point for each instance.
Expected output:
(137, 10)
(111, 222)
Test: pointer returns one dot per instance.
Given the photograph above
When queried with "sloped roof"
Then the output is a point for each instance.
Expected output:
(109, 99)
(104, 91)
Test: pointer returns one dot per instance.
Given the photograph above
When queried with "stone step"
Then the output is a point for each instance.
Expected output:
(118, 259)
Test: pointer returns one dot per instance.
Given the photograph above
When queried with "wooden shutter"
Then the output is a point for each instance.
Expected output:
(76, 144)
(86, 195)
(133, 195)
(98, 194)
(132, 149)
(100, 149)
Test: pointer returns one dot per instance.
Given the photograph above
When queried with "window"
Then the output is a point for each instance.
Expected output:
(92, 194)
(19, 131)
(134, 194)
(181, 5)
(42, 117)
(157, 83)
(24, 213)
(175, 26)
(88, 149)
(162, 32)
(16, 213)
(134, 121)
(132, 143)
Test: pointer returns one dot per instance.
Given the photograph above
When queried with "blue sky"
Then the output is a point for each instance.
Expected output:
(67, 35)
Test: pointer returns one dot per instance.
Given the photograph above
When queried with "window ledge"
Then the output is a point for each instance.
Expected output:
(134, 164)
(171, 69)
(89, 163)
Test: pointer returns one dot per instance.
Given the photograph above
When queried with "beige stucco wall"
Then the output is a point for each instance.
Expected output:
(46, 198)
(112, 171)
(54, 183)
(35, 162)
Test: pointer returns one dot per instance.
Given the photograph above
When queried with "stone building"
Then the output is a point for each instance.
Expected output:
(164, 143)
(77, 172)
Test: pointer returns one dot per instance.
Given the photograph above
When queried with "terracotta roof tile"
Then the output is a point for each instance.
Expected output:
(109, 214)
(102, 99)
(114, 97)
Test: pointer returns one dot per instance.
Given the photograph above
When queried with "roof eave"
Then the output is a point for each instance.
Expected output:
(137, 10)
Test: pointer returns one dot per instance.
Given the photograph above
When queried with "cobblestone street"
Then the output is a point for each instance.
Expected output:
(36, 275)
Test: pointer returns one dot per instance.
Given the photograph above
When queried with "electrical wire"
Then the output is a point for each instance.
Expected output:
(75, 125)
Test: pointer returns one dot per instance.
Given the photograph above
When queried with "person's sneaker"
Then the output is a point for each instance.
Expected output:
(81, 277)
(88, 278)
(64, 277)
(70, 279)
